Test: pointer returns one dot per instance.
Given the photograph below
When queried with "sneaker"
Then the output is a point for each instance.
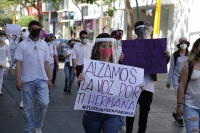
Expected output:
(175, 116)
(53, 84)
(65, 89)
(38, 130)
(1, 93)
(21, 106)
(180, 122)
(69, 92)
(122, 129)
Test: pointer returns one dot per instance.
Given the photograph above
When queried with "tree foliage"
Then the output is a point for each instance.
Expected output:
(98, 2)
(33, 3)
(25, 20)
(5, 19)
(8, 5)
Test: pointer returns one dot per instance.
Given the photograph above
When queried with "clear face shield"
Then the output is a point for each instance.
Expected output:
(144, 32)
(105, 50)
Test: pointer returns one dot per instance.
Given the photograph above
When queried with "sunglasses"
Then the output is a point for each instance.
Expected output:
(35, 28)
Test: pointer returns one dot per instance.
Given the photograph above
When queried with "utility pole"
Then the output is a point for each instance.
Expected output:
(156, 26)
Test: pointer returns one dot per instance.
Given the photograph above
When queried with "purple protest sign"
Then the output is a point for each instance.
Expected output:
(42, 33)
(147, 54)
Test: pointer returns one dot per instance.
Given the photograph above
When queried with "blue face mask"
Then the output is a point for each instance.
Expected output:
(118, 42)
(48, 43)
(84, 41)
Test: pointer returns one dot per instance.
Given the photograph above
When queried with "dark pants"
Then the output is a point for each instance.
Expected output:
(145, 101)
(54, 73)
(79, 69)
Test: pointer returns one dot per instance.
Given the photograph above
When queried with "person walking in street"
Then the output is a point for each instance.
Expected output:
(53, 55)
(143, 30)
(33, 75)
(94, 122)
(4, 54)
(80, 51)
(69, 76)
(176, 64)
(188, 95)
(56, 61)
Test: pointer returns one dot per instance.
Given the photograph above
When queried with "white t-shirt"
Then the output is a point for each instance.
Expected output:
(81, 51)
(148, 83)
(52, 52)
(69, 58)
(118, 53)
(4, 53)
(32, 60)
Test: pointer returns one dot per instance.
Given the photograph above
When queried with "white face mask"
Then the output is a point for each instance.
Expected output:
(183, 46)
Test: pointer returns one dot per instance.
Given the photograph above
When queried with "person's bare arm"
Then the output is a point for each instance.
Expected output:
(48, 72)
(66, 55)
(57, 61)
(181, 90)
(74, 66)
(17, 75)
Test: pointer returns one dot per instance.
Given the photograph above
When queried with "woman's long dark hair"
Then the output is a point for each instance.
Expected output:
(95, 55)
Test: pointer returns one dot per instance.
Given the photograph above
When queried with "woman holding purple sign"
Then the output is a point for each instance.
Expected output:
(176, 64)
(93, 122)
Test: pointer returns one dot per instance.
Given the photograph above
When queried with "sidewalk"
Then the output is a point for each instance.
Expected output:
(61, 118)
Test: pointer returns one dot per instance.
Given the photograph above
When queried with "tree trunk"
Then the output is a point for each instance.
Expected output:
(81, 13)
(129, 13)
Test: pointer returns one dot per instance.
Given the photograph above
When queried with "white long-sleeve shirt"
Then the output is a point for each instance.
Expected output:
(5, 53)
(175, 69)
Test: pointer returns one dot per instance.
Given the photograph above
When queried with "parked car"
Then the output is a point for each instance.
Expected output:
(63, 45)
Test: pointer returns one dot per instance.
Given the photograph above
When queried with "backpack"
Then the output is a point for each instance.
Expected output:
(190, 70)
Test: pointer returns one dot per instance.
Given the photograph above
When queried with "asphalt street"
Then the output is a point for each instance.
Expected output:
(61, 117)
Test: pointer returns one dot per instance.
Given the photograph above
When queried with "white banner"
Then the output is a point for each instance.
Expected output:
(109, 88)
(14, 29)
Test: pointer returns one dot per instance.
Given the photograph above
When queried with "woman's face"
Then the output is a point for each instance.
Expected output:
(105, 51)
(197, 49)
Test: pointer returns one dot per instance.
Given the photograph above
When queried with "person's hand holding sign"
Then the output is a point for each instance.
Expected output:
(81, 77)
(167, 53)
(142, 87)
(121, 57)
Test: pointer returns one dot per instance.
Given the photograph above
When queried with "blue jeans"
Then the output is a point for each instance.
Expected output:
(51, 68)
(122, 121)
(40, 88)
(94, 122)
(190, 113)
(69, 77)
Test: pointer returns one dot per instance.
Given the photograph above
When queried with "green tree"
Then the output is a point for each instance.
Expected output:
(25, 20)
(129, 13)
(34, 3)
(5, 19)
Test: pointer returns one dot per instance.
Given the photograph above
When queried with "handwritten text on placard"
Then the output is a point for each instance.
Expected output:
(147, 54)
(109, 88)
